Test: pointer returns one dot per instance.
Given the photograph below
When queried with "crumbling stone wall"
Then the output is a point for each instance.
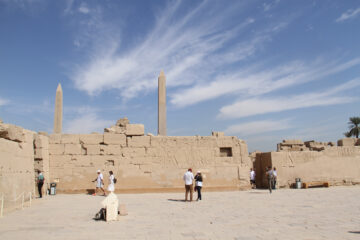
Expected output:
(146, 163)
(16, 163)
(338, 165)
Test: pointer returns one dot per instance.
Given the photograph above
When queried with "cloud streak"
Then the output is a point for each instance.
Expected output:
(258, 127)
(349, 14)
(257, 106)
(254, 81)
(189, 53)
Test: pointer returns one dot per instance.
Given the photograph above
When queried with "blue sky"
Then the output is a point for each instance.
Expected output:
(260, 70)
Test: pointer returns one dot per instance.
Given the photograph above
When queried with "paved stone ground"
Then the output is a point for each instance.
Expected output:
(323, 213)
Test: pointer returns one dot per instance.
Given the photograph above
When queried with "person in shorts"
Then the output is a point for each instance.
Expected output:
(99, 182)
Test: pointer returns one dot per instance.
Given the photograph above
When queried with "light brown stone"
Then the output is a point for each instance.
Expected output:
(138, 141)
(73, 149)
(70, 138)
(56, 149)
(91, 138)
(115, 139)
(134, 130)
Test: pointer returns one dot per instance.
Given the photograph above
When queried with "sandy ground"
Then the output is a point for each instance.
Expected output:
(323, 213)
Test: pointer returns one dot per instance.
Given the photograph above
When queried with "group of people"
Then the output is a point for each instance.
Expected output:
(100, 182)
(189, 188)
(188, 178)
(271, 176)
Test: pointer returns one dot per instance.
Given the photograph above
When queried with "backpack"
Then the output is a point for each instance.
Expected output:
(115, 180)
(101, 215)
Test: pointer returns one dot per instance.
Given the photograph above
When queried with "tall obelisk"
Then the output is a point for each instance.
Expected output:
(58, 110)
(162, 104)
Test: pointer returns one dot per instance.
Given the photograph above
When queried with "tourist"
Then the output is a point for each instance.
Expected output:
(198, 184)
(99, 182)
(111, 187)
(40, 183)
(252, 178)
(269, 175)
(188, 179)
(274, 178)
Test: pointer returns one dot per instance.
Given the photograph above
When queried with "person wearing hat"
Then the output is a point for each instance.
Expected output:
(188, 179)
(198, 184)
(99, 182)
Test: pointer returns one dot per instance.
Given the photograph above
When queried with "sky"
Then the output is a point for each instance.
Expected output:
(263, 71)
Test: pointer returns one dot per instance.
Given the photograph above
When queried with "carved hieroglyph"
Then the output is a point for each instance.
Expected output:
(58, 110)
(162, 104)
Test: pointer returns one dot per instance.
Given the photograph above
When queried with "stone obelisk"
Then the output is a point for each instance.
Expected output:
(162, 104)
(58, 110)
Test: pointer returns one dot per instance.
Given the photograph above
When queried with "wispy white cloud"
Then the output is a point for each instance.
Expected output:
(269, 5)
(189, 53)
(255, 82)
(3, 102)
(86, 120)
(349, 14)
(256, 106)
(84, 8)
(258, 127)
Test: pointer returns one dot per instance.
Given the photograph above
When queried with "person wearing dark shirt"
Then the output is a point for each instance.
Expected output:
(198, 184)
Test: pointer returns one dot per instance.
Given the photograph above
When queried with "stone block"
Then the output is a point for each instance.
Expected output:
(110, 149)
(217, 134)
(292, 142)
(133, 152)
(59, 160)
(111, 204)
(115, 129)
(91, 138)
(115, 139)
(56, 149)
(41, 141)
(92, 149)
(134, 130)
(55, 139)
(73, 149)
(138, 141)
(12, 132)
(122, 122)
(70, 138)
(347, 142)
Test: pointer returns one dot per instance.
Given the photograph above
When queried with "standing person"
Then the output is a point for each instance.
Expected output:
(111, 187)
(188, 179)
(274, 178)
(99, 182)
(252, 178)
(198, 184)
(269, 175)
(40, 183)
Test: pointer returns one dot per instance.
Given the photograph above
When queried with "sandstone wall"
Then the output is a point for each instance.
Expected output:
(16, 163)
(146, 163)
(339, 165)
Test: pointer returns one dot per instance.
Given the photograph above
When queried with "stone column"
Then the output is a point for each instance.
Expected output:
(162, 104)
(58, 110)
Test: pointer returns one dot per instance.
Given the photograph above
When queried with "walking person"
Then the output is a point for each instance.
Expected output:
(198, 184)
(111, 187)
(99, 182)
(269, 175)
(188, 179)
(40, 183)
(274, 178)
(252, 178)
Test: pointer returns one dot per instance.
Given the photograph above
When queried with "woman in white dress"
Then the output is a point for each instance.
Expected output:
(111, 187)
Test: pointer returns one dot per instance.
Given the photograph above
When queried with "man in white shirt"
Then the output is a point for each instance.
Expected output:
(188, 179)
(99, 182)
